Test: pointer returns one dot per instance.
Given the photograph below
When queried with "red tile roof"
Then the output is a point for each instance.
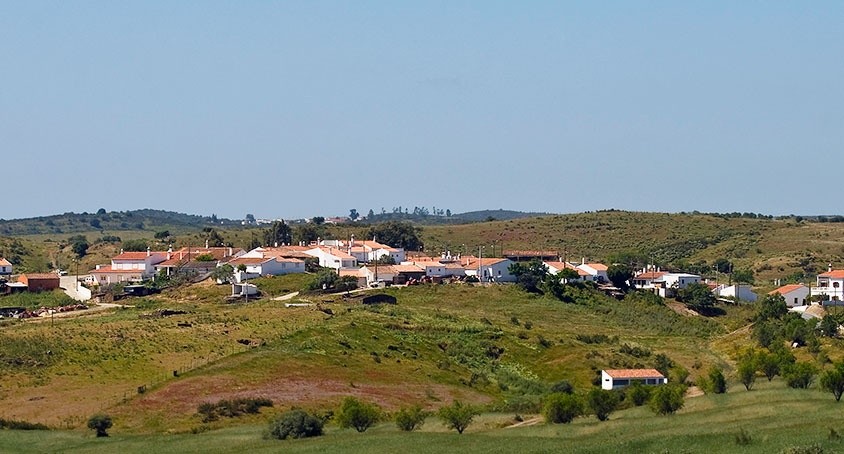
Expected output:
(250, 261)
(563, 265)
(634, 373)
(408, 269)
(4, 262)
(834, 274)
(787, 289)
(651, 275)
(598, 266)
(109, 269)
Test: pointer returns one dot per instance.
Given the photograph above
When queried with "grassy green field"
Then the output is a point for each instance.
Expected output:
(774, 418)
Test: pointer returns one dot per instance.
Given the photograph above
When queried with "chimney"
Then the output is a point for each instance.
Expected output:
(352, 242)
(231, 252)
(148, 252)
(168, 254)
(830, 267)
(181, 255)
(583, 261)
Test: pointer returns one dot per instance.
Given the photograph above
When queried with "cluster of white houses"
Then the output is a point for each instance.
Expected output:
(349, 258)
(358, 259)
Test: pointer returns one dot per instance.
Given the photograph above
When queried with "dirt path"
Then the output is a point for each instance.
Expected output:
(289, 296)
(527, 422)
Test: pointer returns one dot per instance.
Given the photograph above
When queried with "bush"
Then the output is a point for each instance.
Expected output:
(357, 414)
(747, 371)
(562, 408)
(667, 399)
(562, 386)
(232, 408)
(410, 419)
(833, 381)
(602, 402)
(717, 384)
(769, 365)
(743, 438)
(458, 416)
(638, 393)
(100, 423)
(295, 424)
(799, 375)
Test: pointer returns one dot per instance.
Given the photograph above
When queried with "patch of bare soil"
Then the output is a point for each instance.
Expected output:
(681, 309)
(694, 391)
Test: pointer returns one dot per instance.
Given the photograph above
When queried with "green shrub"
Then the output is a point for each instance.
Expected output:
(295, 424)
(667, 399)
(562, 408)
(743, 438)
(602, 402)
(232, 408)
(458, 416)
(562, 386)
(638, 393)
(410, 419)
(357, 414)
(716, 384)
(799, 375)
(100, 423)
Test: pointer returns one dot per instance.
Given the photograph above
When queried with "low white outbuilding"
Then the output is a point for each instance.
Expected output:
(619, 378)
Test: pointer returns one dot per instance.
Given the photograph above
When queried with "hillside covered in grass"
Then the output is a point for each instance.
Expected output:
(495, 346)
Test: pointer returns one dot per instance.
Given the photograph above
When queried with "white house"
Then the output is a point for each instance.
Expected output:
(597, 271)
(556, 267)
(5, 267)
(830, 284)
(491, 269)
(331, 257)
(261, 266)
(741, 292)
(678, 280)
(128, 267)
(794, 294)
(619, 378)
(645, 279)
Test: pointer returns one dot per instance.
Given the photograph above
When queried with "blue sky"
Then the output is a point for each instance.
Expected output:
(294, 109)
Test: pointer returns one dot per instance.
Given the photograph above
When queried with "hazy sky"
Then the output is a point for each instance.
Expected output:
(293, 109)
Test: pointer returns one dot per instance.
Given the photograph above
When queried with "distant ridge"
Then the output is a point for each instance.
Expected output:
(144, 219)
(498, 215)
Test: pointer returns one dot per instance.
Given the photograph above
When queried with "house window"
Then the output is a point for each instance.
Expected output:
(835, 284)
(621, 382)
(795, 300)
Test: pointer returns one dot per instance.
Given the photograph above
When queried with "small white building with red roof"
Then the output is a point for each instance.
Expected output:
(794, 294)
(830, 284)
(619, 378)
(556, 267)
